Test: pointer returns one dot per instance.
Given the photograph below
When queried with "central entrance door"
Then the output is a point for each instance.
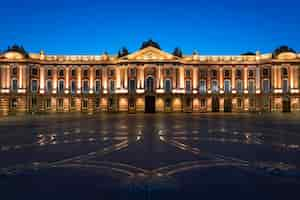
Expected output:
(149, 104)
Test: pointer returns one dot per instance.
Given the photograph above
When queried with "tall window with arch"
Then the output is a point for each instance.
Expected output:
(168, 86)
(150, 84)
(61, 86)
(214, 86)
(112, 86)
(227, 86)
(202, 86)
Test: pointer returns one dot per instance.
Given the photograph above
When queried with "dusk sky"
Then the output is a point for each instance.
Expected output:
(92, 27)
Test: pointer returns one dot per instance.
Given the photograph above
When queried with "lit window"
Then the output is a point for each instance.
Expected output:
(214, 86)
(227, 86)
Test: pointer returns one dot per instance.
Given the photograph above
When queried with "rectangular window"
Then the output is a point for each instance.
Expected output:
(73, 72)
(34, 71)
(214, 86)
(266, 86)
(168, 86)
(227, 86)
(61, 85)
(132, 72)
(97, 86)
(251, 86)
(98, 73)
(285, 86)
(85, 86)
(85, 73)
(73, 87)
(34, 86)
(132, 85)
(112, 85)
(188, 85)
(111, 72)
(49, 72)
(61, 72)
(239, 86)
(188, 73)
(49, 85)
(14, 85)
(202, 86)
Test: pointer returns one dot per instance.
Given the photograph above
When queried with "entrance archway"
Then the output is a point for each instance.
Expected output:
(149, 104)
(215, 104)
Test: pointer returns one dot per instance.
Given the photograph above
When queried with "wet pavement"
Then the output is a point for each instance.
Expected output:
(150, 156)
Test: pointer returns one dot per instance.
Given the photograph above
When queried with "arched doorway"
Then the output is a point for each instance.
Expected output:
(286, 104)
(227, 105)
(149, 104)
(215, 104)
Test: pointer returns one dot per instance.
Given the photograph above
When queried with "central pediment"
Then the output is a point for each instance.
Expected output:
(150, 53)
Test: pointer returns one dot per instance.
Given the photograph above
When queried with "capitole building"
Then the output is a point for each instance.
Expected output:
(149, 80)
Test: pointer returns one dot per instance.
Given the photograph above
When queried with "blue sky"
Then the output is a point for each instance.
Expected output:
(92, 27)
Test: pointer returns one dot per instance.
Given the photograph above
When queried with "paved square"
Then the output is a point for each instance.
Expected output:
(150, 156)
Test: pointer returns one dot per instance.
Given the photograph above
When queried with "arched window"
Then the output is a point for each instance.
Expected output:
(150, 84)
(168, 86)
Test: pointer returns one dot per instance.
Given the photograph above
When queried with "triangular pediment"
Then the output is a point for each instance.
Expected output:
(150, 53)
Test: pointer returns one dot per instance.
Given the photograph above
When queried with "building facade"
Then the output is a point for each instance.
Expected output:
(149, 80)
